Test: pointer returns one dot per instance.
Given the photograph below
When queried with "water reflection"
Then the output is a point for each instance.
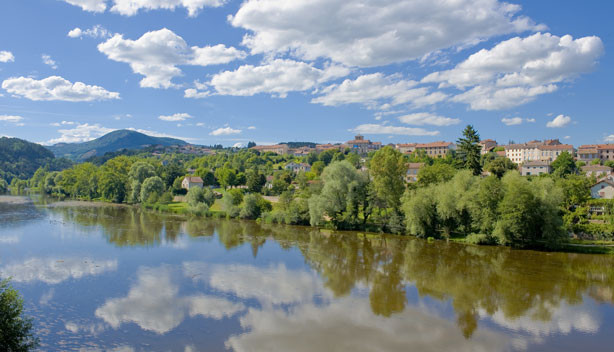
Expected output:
(351, 290)
(55, 270)
(154, 304)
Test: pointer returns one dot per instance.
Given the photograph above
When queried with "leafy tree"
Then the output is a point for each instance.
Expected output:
(170, 172)
(576, 190)
(15, 329)
(564, 165)
(141, 170)
(317, 167)
(226, 177)
(387, 169)
(436, 173)
(3, 186)
(253, 206)
(195, 196)
(420, 210)
(596, 162)
(151, 189)
(112, 186)
(484, 203)
(469, 150)
(231, 201)
(343, 196)
(499, 166)
(254, 181)
(609, 163)
(251, 144)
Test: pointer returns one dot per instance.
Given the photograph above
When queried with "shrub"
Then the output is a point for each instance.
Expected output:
(15, 329)
(479, 238)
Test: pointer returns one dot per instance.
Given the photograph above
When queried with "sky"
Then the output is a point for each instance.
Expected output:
(229, 72)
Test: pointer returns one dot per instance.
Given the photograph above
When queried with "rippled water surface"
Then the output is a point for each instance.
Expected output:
(108, 278)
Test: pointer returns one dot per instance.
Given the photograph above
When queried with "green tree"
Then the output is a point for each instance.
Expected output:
(420, 211)
(151, 189)
(564, 165)
(16, 333)
(226, 177)
(499, 166)
(254, 181)
(387, 169)
(317, 167)
(253, 206)
(436, 173)
(195, 196)
(3, 186)
(469, 150)
(141, 170)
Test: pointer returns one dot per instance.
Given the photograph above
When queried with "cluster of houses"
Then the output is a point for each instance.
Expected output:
(533, 158)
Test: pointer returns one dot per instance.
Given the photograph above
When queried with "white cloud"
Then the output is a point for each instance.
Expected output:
(55, 270)
(278, 77)
(47, 60)
(56, 88)
(376, 90)
(155, 305)
(81, 133)
(516, 70)
(11, 118)
(251, 128)
(372, 32)
(96, 31)
(224, 131)
(175, 117)
(514, 121)
(132, 7)
(559, 121)
(157, 54)
(89, 5)
(195, 94)
(370, 128)
(609, 138)
(9, 239)
(6, 56)
(424, 118)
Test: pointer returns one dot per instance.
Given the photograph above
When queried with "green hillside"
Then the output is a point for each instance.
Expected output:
(110, 142)
(19, 158)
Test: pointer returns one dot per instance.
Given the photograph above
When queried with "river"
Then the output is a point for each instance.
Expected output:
(112, 278)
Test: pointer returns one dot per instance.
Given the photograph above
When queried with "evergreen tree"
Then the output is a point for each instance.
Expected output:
(469, 150)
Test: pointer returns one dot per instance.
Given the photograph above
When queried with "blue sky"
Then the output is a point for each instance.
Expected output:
(222, 71)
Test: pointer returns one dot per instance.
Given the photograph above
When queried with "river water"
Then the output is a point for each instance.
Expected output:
(110, 278)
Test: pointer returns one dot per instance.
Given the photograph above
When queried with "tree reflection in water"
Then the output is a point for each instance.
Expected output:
(478, 281)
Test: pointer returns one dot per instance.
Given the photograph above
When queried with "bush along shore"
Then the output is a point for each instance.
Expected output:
(451, 199)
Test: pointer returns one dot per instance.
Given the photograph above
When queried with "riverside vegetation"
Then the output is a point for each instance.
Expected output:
(451, 199)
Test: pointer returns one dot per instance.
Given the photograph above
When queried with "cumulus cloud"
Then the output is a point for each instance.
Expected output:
(516, 70)
(377, 91)
(372, 32)
(609, 138)
(514, 121)
(81, 133)
(154, 304)
(89, 5)
(424, 118)
(559, 121)
(224, 131)
(47, 60)
(157, 54)
(132, 7)
(11, 118)
(175, 117)
(96, 31)
(55, 270)
(371, 128)
(277, 77)
(6, 56)
(349, 324)
(56, 88)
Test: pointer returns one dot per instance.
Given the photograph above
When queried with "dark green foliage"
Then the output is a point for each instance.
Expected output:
(436, 173)
(253, 206)
(110, 142)
(564, 165)
(20, 159)
(254, 181)
(499, 166)
(16, 331)
(469, 150)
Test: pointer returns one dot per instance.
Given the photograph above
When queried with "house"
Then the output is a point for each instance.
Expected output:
(436, 149)
(296, 167)
(596, 170)
(406, 148)
(588, 153)
(412, 172)
(269, 182)
(487, 146)
(533, 168)
(361, 145)
(603, 189)
(537, 151)
(191, 182)
(280, 149)
(325, 147)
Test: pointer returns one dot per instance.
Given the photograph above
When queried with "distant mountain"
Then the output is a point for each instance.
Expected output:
(19, 158)
(110, 142)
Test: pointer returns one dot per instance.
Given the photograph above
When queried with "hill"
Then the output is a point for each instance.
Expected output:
(110, 142)
(19, 158)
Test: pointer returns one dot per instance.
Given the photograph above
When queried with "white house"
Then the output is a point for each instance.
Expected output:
(603, 189)
(533, 168)
(191, 182)
(294, 167)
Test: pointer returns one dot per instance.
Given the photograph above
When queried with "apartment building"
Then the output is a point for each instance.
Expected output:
(361, 145)
(537, 151)
(590, 152)
(436, 149)
(406, 148)
(280, 149)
